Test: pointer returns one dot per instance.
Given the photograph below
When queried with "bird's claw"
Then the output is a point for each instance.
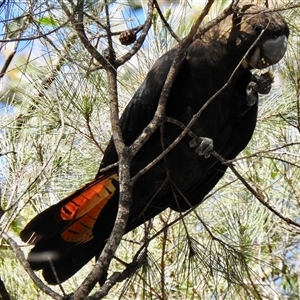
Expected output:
(203, 145)
(260, 84)
(251, 92)
(264, 82)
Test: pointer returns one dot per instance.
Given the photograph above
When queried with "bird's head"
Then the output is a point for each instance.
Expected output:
(268, 33)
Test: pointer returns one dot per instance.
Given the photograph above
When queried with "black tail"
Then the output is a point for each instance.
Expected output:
(69, 234)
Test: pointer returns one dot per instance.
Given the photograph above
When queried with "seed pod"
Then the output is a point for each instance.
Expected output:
(127, 37)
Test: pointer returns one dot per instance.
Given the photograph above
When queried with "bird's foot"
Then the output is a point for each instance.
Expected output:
(251, 91)
(264, 82)
(260, 83)
(203, 146)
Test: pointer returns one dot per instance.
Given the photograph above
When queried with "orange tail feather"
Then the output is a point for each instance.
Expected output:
(88, 198)
(82, 230)
(85, 208)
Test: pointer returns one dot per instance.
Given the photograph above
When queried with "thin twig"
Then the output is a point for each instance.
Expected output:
(8, 152)
(31, 38)
(173, 34)
(257, 195)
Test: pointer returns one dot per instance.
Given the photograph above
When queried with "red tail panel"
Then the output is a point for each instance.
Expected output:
(85, 208)
(88, 198)
(82, 230)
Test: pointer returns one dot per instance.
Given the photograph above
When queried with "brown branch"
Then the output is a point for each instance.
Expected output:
(255, 291)
(111, 51)
(278, 159)
(180, 125)
(8, 61)
(134, 49)
(8, 152)
(138, 44)
(113, 33)
(258, 153)
(136, 263)
(80, 30)
(94, 19)
(91, 135)
(125, 192)
(124, 177)
(124, 199)
(20, 255)
(124, 163)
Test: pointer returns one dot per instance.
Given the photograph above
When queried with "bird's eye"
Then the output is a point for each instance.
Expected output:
(258, 28)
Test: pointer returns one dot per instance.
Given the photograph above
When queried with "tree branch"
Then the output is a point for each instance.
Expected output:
(20, 255)
(79, 27)
(125, 185)
(141, 38)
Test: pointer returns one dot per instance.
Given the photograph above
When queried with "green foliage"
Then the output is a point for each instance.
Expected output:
(47, 21)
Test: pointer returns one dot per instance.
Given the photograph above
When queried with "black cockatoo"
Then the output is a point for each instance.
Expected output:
(75, 229)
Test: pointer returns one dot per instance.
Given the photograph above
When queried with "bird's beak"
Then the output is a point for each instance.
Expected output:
(271, 52)
(275, 49)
